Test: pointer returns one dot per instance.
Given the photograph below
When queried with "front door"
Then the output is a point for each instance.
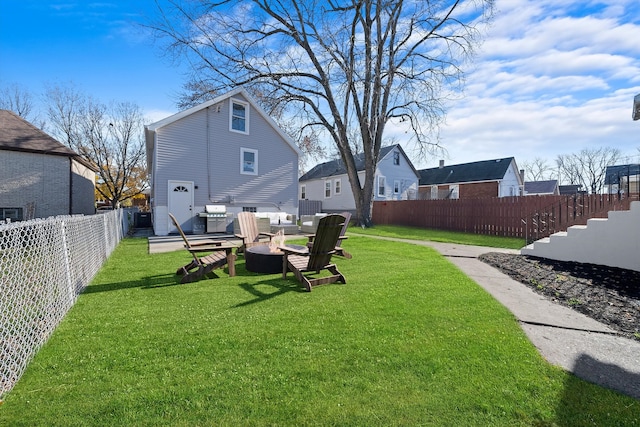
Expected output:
(181, 205)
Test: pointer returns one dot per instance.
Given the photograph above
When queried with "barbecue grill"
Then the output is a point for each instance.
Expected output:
(216, 216)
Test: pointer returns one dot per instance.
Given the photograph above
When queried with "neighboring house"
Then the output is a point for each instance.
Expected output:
(623, 179)
(226, 152)
(541, 188)
(486, 178)
(40, 177)
(395, 179)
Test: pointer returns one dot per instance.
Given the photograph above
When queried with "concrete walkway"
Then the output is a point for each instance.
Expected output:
(564, 337)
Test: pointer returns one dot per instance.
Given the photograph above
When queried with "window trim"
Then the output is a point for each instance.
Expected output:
(303, 192)
(255, 167)
(337, 187)
(382, 179)
(328, 181)
(454, 190)
(397, 186)
(245, 118)
(19, 214)
(396, 158)
(434, 192)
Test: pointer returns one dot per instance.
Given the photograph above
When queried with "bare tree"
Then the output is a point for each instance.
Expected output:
(337, 65)
(587, 167)
(111, 137)
(537, 170)
(16, 98)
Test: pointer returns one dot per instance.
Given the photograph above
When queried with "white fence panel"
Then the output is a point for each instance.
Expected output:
(44, 265)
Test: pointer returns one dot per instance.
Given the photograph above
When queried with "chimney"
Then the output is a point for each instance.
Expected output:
(522, 174)
(441, 165)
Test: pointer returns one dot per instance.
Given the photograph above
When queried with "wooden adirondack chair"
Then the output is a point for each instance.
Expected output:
(318, 257)
(220, 253)
(249, 233)
(339, 250)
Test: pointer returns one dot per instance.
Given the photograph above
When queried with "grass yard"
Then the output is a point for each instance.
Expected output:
(409, 340)
(444, 236)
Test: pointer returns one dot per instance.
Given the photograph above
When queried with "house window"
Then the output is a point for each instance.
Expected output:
(381, 184)
(249, 209)
(303, 192)
(454, 191)
(13, 214)
(396, 187)
(248, 161)
(396, 157)
(434, 192)
(239, 117)
(337, 187)
(327, 189)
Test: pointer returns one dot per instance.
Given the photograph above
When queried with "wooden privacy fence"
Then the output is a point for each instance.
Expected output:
(527, 217)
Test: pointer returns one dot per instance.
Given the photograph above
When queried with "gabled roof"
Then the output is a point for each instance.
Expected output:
(485, 170)
(151, 128)
(337, 167)
(17, 134)
(541, 187)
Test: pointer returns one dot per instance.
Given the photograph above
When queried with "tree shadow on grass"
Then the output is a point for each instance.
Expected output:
(577, 403)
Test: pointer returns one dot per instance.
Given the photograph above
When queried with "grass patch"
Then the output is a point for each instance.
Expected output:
(409, 340)
(443, 236)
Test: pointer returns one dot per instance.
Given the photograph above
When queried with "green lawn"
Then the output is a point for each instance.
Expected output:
(409, 340)
(444, 236)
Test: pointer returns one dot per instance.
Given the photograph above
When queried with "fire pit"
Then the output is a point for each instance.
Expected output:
(260, 259)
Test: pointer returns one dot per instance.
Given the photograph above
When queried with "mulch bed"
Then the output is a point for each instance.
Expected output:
(607, 294)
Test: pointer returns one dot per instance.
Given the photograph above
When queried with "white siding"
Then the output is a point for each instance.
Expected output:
(345, 201)
(403, 173)
(510, 184)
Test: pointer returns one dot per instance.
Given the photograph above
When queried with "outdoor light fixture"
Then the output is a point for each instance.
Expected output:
(636, 107)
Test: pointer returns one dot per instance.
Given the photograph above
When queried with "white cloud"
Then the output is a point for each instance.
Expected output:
(553, 77)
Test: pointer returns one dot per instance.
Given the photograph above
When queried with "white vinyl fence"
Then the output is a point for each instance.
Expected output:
(44, 265)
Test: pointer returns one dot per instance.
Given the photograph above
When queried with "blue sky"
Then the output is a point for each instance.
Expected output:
(553, 76)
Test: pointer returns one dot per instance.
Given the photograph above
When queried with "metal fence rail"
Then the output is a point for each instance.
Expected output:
(44, 265)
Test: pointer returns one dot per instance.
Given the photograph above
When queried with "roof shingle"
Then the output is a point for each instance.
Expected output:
(17, 134)
(485, 170)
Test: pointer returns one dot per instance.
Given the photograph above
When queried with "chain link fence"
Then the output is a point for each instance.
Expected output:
(44, 265)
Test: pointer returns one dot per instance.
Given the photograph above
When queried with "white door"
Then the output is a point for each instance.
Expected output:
(181, 205)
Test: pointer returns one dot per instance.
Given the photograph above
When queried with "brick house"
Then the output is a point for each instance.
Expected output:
(486, 178)
(40, 177)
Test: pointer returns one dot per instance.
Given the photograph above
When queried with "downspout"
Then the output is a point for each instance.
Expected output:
(208, 158)
(70, 186)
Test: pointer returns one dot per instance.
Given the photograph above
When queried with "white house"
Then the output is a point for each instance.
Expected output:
(395, 179)
(485, 178)
(226, 152)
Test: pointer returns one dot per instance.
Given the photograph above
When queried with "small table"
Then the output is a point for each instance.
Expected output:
(259, 259)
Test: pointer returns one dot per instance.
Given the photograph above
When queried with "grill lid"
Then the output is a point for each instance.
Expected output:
(215, 209)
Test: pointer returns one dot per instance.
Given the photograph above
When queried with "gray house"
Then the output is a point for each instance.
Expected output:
(395, 179)
(40, 177)
(227, 154)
